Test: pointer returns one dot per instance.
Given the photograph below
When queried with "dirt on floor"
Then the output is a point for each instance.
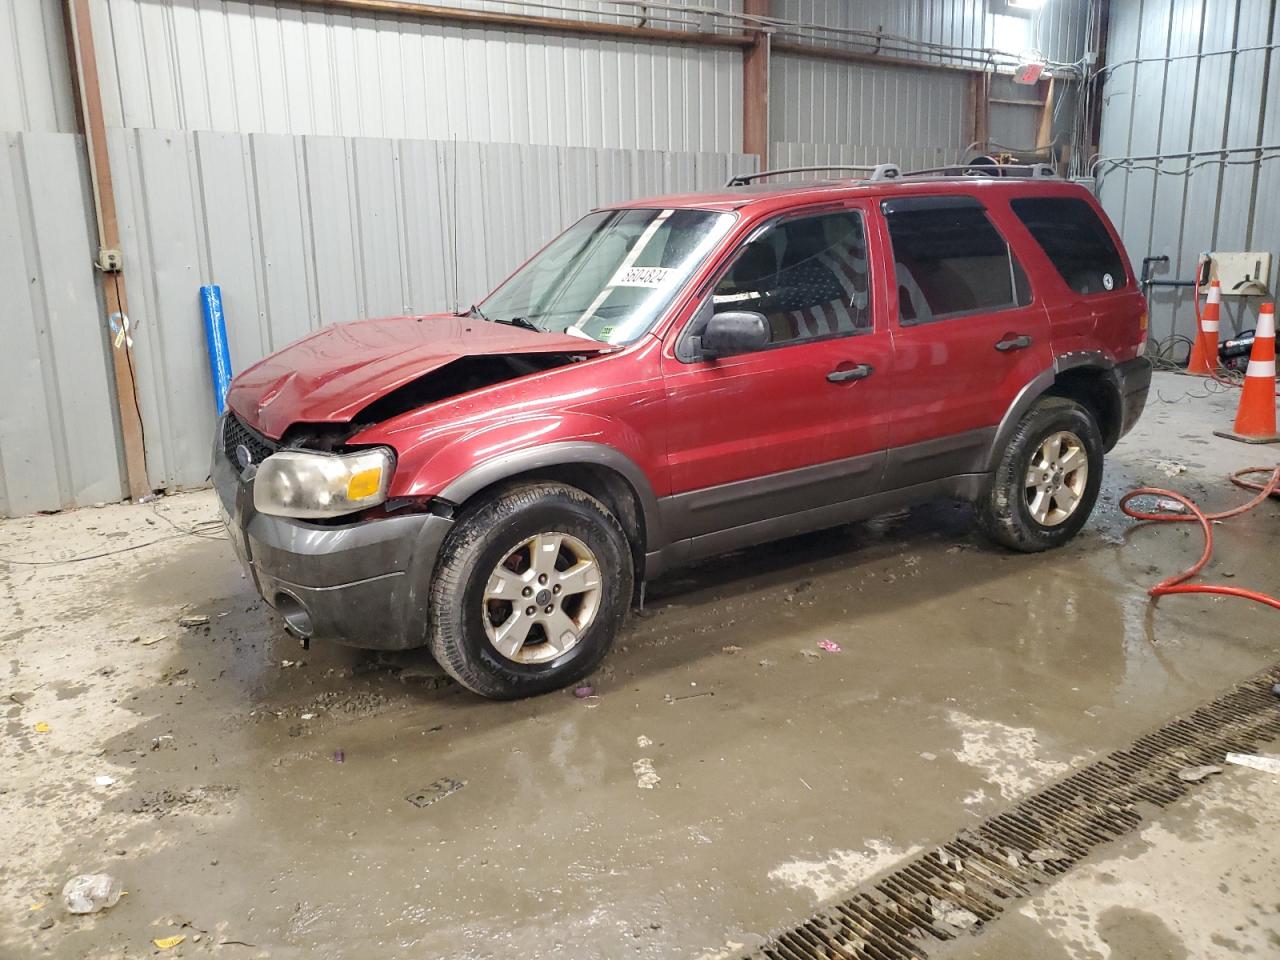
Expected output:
(777, 726)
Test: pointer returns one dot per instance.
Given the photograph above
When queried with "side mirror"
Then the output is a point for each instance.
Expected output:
(734, 332)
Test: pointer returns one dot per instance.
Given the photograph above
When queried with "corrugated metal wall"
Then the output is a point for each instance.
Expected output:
(35, 87)
(263, 68)
(824, 111)
(1056, 30)
(831, 111)
(305, 231)
(57, 429)
(1202, 102)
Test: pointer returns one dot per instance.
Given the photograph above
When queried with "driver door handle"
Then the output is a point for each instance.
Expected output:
(1020, 342)
(860, 372)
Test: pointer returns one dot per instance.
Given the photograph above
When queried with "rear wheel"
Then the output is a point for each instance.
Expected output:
(1047, 480)
(530, 590)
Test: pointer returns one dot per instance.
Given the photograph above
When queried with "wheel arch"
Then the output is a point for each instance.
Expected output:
(1088, 380)
(599, 470)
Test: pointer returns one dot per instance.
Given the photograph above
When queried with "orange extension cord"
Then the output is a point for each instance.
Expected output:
(1177, 583)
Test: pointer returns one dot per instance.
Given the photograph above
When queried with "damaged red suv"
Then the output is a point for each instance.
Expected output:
(675, 378)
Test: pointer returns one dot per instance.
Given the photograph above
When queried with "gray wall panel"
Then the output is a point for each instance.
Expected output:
(35, 84)
(266, 68)
(57, 429)
(1206, 102)
(824, 111)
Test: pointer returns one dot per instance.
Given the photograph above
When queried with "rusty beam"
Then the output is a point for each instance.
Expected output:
(84, 67)
(520, 21)
(755, 86)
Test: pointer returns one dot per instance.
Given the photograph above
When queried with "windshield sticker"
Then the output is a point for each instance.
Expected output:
(640, 277)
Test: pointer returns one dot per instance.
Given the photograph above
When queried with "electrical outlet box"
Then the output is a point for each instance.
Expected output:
(1241, 274)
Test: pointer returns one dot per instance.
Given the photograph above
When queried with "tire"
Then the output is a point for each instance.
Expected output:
(1008, 510)
(498, 549)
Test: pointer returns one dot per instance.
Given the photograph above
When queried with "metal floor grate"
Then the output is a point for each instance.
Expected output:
(957, 888)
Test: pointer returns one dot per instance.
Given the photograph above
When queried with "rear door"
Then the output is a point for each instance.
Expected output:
(968, 335)
(803, 422)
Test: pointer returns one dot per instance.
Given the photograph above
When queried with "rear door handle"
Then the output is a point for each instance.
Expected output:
(1020, 342)
(860, 372)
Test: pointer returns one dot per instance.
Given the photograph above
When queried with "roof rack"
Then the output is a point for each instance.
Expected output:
(880, 171)
(1028, 171)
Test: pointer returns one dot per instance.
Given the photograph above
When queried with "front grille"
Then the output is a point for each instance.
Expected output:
(959, 887)
(235, 434)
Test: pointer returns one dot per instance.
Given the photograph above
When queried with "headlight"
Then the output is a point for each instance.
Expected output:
(297, 483)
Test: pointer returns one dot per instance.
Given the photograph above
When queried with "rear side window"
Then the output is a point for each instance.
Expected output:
(1075, 240)
(950, 260)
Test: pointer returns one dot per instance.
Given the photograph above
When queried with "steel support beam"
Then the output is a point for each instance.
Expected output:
(84, 65)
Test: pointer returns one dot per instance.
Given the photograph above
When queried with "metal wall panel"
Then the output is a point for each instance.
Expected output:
(826, 111)
(263, 68)
(1056, 31)
(35, 85)
(305, 231)
(1204, 101)
(57, 429)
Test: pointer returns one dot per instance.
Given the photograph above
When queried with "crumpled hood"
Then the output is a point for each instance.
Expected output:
(332, 375)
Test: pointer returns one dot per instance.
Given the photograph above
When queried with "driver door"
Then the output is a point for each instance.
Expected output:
(801, 423)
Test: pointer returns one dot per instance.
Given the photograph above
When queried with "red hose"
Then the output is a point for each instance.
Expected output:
(1177, 582)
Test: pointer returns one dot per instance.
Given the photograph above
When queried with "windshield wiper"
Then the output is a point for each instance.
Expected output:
(524, 322)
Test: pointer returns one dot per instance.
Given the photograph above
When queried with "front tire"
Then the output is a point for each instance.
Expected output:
(1047, 480)
(530, 590)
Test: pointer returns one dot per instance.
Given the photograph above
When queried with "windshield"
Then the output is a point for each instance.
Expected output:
(610, 275)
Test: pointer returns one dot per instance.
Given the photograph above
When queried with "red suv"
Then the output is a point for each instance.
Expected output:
(675, 378)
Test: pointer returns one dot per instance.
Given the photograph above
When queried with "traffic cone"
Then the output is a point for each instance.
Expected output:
(1204, 352)
(1256, 418)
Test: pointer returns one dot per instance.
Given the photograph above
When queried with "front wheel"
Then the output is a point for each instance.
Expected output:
(531, 587)
(1047, 480)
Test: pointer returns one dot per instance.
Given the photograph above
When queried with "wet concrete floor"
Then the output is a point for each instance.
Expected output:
(728, 775)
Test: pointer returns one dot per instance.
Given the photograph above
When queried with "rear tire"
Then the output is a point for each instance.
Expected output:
(1047, 480)
(531, 587)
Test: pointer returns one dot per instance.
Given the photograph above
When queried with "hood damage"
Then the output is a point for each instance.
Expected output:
(345, 378)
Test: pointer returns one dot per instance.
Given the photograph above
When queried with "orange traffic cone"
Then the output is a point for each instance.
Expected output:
(1256, 419)
(1204, 352)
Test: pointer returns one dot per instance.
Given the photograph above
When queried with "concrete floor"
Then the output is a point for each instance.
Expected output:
(787, 774)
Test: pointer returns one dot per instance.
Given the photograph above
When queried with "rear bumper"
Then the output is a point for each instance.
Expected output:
(1134, 378)
(364, 584)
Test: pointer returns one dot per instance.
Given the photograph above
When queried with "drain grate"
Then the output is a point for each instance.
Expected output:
(957, 888)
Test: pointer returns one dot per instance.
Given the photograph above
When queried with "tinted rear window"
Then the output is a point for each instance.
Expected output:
(950, 260)
(1075, 240)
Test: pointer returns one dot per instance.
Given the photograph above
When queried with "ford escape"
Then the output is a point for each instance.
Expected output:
(675, 378)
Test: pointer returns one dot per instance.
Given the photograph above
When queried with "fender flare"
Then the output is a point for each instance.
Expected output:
(561, 454)
(1039, 385)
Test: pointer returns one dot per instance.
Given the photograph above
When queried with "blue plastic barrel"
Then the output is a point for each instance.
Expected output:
(215, 335)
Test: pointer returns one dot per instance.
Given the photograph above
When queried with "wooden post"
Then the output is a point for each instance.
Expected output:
(84, 65)
(755, 86)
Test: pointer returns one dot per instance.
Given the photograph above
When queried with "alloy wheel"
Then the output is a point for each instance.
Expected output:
(1056, 478)
(541, 597)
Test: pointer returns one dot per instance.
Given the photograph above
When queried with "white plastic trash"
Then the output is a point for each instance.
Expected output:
(91, 892)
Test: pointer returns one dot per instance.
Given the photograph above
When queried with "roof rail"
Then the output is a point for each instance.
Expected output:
(1027, 171)
(880, 171)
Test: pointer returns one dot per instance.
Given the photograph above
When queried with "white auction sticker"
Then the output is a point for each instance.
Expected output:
(640, 277)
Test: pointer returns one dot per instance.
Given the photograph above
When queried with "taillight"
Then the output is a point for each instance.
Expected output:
(1143, 323)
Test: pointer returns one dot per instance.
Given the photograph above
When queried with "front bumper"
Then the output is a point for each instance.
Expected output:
(364, 584)
(1134, 378)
